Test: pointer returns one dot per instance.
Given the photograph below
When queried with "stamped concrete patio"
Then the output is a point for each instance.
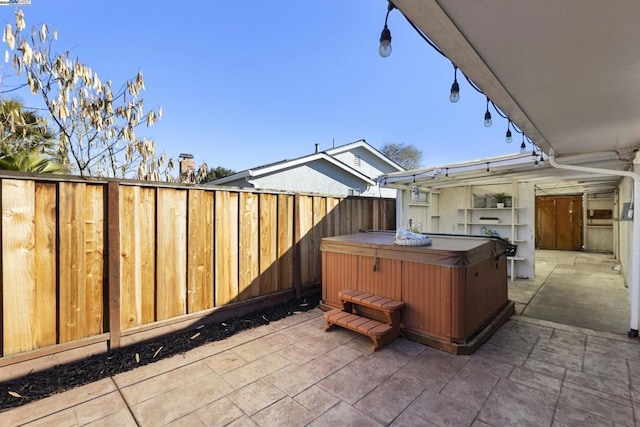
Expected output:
(291, 373)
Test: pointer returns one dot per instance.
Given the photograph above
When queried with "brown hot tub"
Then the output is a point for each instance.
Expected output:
(455, 290)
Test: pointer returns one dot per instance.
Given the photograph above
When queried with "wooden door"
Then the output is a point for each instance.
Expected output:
(559, 222)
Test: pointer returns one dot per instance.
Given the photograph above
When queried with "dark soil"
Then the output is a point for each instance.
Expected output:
(64, 377)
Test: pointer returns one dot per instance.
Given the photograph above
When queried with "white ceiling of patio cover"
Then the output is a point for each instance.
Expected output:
(567, 72)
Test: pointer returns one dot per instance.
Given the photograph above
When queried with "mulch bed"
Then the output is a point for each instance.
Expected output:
(38, 385)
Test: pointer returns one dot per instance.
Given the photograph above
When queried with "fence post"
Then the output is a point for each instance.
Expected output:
(113, 262)
(297, 275)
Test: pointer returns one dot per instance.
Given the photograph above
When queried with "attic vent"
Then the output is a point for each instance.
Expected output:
(356, 160)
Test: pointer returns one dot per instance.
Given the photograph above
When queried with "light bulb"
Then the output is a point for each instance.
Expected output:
(523, 147)
(455, 92)
(487, 119)
(455, 87)
(508, 139)
(385, 42)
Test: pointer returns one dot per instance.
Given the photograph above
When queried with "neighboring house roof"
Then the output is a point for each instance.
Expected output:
(275, 167)
(326, 155)
(365, 145)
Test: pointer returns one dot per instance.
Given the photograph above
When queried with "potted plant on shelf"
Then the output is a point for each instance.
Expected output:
(501, 198)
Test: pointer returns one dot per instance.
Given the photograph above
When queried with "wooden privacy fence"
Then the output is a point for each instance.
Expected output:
(97, 261)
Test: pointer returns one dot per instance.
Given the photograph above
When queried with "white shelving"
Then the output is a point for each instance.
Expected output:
(508, 227)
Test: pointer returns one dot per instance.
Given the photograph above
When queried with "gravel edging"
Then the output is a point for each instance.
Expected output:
(61, 378)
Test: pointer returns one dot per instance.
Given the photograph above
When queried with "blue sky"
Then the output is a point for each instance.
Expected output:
(244, 83)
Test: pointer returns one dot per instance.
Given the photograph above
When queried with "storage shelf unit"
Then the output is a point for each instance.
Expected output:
(507, 227)
(489, 223)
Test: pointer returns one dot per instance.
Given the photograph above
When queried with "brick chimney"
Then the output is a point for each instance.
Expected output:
(187, 167)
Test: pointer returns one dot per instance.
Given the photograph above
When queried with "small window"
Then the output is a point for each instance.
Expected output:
(353, 192)
(356, 160)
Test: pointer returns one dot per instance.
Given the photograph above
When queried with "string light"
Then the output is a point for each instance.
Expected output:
(385, 50)
(455, 87)
(385, 37)
(487, 116)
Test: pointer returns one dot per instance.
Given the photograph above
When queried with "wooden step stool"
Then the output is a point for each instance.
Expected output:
(381, 333)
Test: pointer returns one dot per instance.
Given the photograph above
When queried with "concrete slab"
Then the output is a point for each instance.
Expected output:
(533, 371)
(582, 289)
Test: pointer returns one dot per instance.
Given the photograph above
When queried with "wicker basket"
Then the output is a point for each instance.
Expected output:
(412, 242)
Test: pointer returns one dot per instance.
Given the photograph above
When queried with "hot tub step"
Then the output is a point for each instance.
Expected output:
(379, 333)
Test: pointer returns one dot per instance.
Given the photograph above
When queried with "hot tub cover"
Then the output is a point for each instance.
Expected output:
(452, 251)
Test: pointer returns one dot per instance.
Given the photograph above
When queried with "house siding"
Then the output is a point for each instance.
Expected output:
(314, 177)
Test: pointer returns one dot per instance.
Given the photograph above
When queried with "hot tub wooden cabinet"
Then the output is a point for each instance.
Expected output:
(455, 290)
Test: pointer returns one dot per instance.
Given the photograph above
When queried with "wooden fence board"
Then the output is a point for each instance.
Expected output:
(333, 216)
(285, 241)
(200, 268)
(367, 214)
(171, 268)
(147, 226)
(130, 265)
(18, 260)
(357, 218)
(376, 215)
(94, 259)
(138, 249)
(71, 262)
(113, 280)
(306, 238)
(226, 247)
(319, 231)
(249, 250)
(45, 331)
(268, 207)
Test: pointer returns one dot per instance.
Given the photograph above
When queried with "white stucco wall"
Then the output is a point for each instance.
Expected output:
(370, 165)
(315, 177)
(625, 229)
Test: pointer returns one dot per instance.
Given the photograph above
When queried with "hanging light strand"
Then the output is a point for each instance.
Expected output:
(455, 87)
